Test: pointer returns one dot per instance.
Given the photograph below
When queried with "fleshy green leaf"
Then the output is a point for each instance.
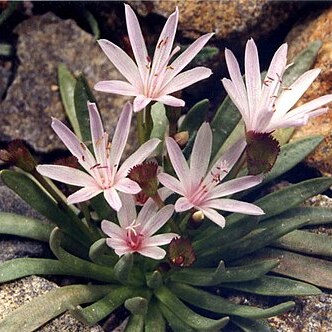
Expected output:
(211, 277)
(195, 117)
(38, 199)
(154, 320)
(135, 324)
(313, 270)
(95, 312)
(41, 309)
(123, 267)
(224, 122)
(14, 224)
(192, 319)
(306, 242)
(91, 270)
(67, 84)
(160, 123)
(83, 94)
(6, 13)
(275, 286)
(92, 23)
(218, 304)
(6, 50)
(154, 279)
(249, 325)
(137, 305)
(100, 253)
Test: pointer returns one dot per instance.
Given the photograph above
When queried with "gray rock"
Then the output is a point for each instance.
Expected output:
(44, 42)
(14, 294)
(5, 74)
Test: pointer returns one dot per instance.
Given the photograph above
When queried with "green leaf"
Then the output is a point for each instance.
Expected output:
(95, 312)
(135, 324)
(178, 324)
(137, 305)
(154, 279)
(218, 304)
(274, 286)
(306, 242)
(318, 215)
(43, 308)
(249, 325)
(100, 253)
(291, 196)
(313, 270)
(90, 270)
(123, 267)
(83, 94)
(224, 122)
(154, 320)
(160, 125)
(195, 117)
(6, 13)
(192, 319)
(202, 277)
(92, 23)
(14, 224)
(38, 199)
(67, 84)
(257, 239)
(6, 50)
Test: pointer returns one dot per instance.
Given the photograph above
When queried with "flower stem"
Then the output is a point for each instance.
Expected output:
(144, 124)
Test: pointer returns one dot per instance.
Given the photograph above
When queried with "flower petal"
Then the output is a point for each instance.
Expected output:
(165, 43)
(112, 198)
(74, 145)
(123, 63)
(235, 185)
(185, 79)
(141, 102)
(232, 205)
(179, 162)
(157, 221)
(182, 204)
(171, 101)
(83, 195)
(171, 183)
(214, 216)
(67, 175)
(120, 135)
(183, 59)
(127, 213)
(111, 229)
(127, 186)
(159, 240)
(137, 42)
(152, 252)
(143, 152)
(253, 79)
(201, 153)
(119, 87)
(289, 97)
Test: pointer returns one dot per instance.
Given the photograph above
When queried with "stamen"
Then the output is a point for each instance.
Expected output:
(94, 166)
(83, 146)
(160, 43)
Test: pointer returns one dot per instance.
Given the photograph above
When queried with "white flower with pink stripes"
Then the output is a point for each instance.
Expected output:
(202, 189)
(103, 173)
(263, 107)
(135, 232)
(152, 79)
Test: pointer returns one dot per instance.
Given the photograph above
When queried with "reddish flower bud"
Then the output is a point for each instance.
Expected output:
(145, 175)
(18, 155)
(262, 151)
(181, 252)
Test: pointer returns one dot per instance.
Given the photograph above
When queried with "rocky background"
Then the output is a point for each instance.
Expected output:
(35, 37)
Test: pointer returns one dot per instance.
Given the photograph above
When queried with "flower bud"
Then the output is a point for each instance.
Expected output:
(181, 138)
(18, 155)
(196, 219)
(181, 252)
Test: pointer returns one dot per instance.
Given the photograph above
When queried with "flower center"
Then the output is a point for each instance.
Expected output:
(134, 239)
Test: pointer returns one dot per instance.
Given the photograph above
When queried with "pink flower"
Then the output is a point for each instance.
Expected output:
(263, 108)
(201, 189)
(103, 173)
(135, 233)
(155, 79)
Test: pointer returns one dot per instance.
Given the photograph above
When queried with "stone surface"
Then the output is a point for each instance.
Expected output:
(6, 68)
(43, 43)
(228, 19)
(317, 27)
(16, 293)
